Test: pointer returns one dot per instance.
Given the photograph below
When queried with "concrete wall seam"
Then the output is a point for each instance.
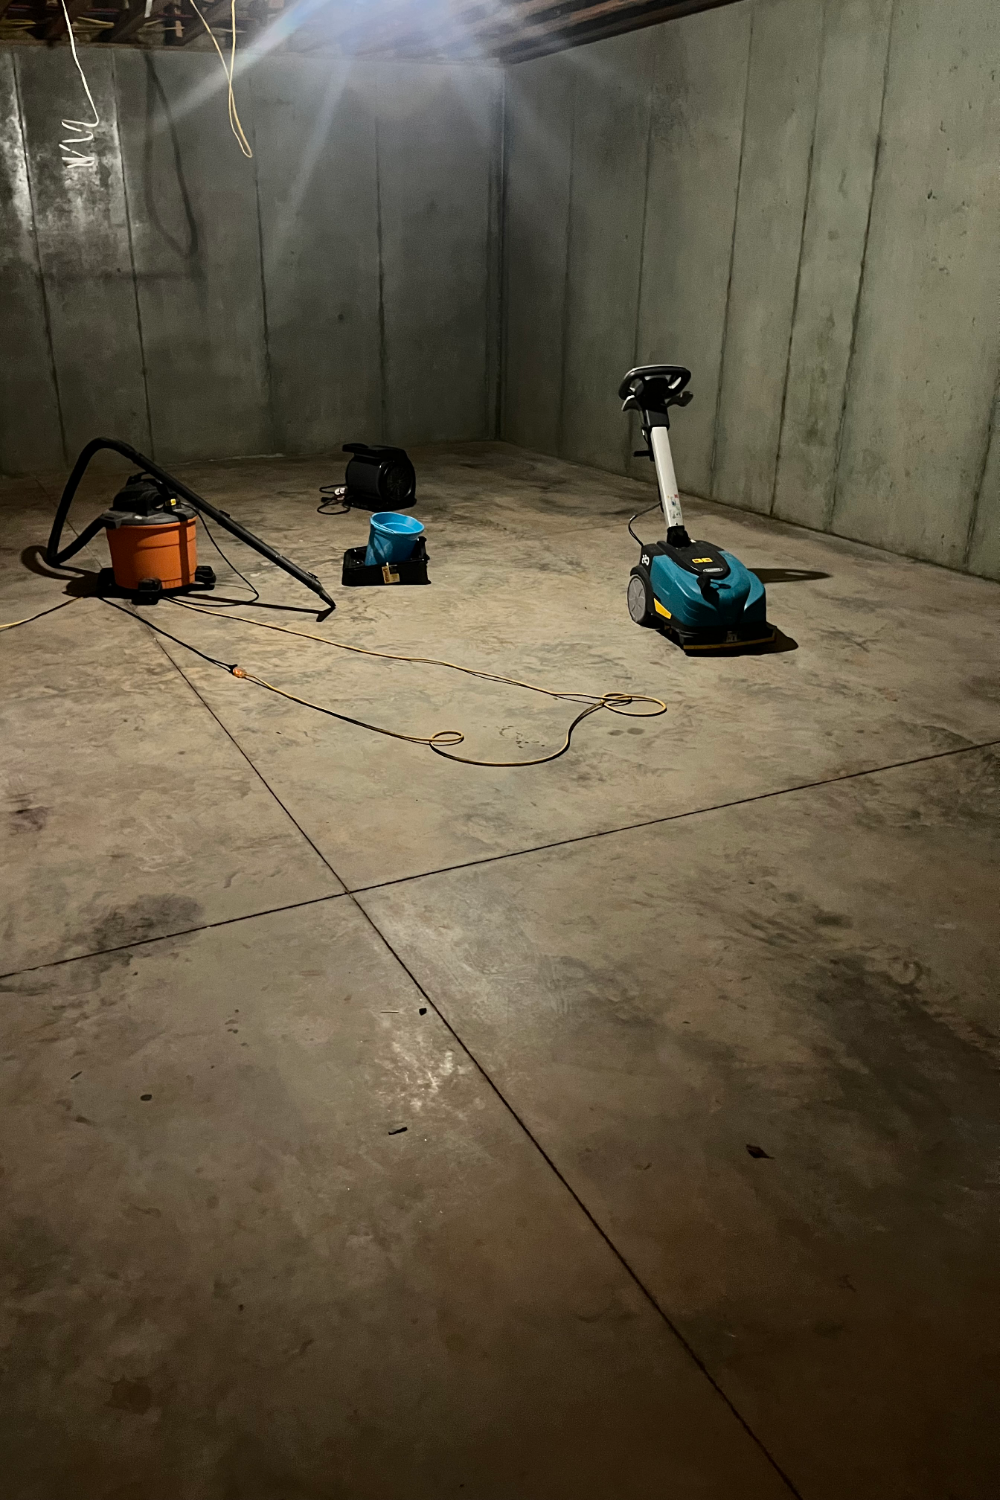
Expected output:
(495, 239)
(383, 348)
(989, 443)
(798, 263)
(642, 231)
(268, 369)
(37, 263)
(831, 507)
(564, 332)
(832, 502)
(135, 279)
(732, 257)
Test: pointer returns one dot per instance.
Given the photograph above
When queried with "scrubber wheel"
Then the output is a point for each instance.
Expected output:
(640, 598)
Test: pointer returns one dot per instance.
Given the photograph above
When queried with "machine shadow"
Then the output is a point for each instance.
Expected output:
(781, 642)
(787, 575)
(82, 584)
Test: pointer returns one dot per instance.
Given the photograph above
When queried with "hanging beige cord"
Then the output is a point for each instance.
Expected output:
(81, 132)
(444, 741)
(234, 119)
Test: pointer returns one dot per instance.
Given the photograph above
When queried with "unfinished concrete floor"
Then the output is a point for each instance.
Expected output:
(380, 1127)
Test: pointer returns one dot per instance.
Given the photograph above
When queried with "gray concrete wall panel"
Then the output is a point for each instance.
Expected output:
(240, 306)
(435, 149)
(610, 157)
(30, 429)
(315, 134)
(777, 145)
(855, 44)
(82, 227)
(928, 336)
(699, 88)
(537, 154)
(854, 312)
(193, 215)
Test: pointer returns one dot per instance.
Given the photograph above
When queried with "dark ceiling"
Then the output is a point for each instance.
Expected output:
(505, 31)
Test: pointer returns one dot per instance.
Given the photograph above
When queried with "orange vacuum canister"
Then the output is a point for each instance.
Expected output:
(152, 539)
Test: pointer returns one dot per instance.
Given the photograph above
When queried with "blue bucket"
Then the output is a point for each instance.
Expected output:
(392, 538)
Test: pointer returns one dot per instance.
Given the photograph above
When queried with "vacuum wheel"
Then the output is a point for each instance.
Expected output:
(640, 598)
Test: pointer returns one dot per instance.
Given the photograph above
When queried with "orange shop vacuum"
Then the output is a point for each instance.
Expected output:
(151, 533)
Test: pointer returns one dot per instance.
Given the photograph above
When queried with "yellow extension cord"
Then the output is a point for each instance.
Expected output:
(50, 611)
(444, 740)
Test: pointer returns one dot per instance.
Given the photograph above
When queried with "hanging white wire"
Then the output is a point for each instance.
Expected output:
(81, 132)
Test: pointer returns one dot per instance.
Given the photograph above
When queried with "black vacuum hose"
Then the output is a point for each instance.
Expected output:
(55, 558)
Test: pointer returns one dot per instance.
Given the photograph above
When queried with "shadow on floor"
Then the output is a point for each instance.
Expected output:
(781, 642)
(80, 582)
(787, 575)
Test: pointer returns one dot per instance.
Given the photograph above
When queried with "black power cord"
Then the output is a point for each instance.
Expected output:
(233, 568)
(655, 506)
(134, 615)
(332, 492)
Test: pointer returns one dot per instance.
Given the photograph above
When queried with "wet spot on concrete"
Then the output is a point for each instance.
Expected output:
(984, 687)
(132, 1396)
(32, 1256)
(149, 916)
(28, 819)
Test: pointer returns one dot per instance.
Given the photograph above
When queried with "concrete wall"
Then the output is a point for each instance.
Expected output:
(342, 284)
(799, 199)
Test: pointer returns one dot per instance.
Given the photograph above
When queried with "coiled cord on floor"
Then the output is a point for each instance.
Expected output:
(444, 741)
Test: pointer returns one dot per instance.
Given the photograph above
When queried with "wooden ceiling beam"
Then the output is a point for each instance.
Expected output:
(573, 14)
(131, 21)
(218, 11)
(484, 36)
(593, 27)
(394, 26)
(55, 28)
(457, 40)
(361, 22)
(478, 19)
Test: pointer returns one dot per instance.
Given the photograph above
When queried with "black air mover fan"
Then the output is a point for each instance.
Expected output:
(379, 477)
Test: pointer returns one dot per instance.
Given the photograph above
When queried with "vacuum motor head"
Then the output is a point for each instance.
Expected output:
(145, 502)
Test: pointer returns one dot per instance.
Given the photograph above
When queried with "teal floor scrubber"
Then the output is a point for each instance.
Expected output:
(703, 598)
